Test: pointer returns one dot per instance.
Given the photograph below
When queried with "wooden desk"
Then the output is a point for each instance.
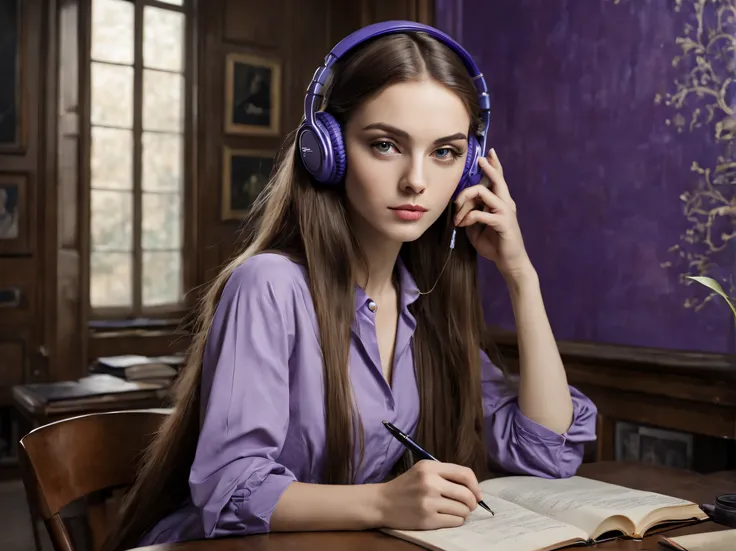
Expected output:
(684, 484)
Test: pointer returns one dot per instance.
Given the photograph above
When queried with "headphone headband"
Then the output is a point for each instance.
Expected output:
(314, 90)
(320, 140)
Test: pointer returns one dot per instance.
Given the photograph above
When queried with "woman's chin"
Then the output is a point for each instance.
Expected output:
(404, 234)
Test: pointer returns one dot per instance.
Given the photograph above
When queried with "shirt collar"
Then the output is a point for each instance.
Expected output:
(409, 290)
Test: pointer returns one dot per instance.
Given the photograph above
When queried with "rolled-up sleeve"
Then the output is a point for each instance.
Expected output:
(521, 446)
(236, 479)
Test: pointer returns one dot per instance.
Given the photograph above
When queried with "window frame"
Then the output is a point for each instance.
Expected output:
(138, 312)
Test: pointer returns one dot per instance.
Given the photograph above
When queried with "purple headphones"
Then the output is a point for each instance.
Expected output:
(320, 138)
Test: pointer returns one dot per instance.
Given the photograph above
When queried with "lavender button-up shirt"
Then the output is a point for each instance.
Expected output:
(263, 416)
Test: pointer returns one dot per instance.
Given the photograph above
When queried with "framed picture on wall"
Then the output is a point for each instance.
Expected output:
(666, 447)
(12, 67)
(245, 172)
(14, 214)
(252, 95)
(653, 446)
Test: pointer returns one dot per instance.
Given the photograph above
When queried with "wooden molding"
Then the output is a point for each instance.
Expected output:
(633, 357)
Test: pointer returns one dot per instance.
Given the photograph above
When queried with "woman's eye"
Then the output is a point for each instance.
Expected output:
(446, 154)
(383, 147)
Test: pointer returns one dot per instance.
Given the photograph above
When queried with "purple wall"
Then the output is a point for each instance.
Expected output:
(592, 164)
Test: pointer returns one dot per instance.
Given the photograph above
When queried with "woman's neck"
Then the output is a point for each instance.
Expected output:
(380, 255)
(378, 281)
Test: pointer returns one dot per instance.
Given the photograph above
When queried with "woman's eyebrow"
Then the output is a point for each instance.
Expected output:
(403, 134)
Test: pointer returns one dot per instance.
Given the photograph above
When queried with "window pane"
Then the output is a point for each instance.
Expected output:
(163, 39)
(161, 221)
(110, 279)
(112, 31)
(162, 163)
(162, 101)
(111, 220)
(112, 95)
(111, 158)
(161, 278)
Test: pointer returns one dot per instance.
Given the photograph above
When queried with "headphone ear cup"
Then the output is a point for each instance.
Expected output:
(471, 173)
(331, 130)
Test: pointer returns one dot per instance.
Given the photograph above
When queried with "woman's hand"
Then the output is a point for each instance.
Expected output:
(489, 214)
(430, 495)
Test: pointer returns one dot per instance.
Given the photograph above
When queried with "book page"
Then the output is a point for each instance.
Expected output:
(723, 540)
(512, 527)
(580, 501)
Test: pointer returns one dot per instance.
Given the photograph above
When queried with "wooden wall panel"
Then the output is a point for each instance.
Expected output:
(310, 41)
(13, 360)
(18, 274)
(47, 274)
(412, 10)
(68, 193)
(22, 325)
(63, 349)
(256, 22)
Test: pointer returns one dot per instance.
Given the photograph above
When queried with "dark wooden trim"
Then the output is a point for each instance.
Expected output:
(152, 312)
(21, 85)
(85, 142)
(189, 238)
(170, 7)
(606, 431)
(48, 200)
(425, 11)
(365, 13)
(143, 342)
(651, 359)
(137, 158)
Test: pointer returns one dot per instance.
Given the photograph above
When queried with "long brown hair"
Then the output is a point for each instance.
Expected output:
(308, 223)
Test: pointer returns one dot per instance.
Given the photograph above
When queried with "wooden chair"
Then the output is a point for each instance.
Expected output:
(68, 460)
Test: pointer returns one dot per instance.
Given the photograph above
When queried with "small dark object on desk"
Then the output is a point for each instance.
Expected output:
(420, 452)
(724, 510)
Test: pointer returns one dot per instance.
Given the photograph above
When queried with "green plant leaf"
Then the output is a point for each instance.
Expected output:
(713, 285)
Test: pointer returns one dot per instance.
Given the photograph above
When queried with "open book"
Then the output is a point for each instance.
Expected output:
(538, 514)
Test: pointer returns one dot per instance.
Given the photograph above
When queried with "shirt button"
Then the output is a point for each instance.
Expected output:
(372, 306)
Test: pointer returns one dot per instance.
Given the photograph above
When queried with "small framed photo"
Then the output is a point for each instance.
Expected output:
(14, 214)
(666, 447)
(252, 95)
(654, 446)
(245, 173)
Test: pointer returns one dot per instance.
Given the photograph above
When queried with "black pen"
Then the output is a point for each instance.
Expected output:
(420, 452)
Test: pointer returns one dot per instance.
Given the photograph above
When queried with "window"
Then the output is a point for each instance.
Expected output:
(138, 99)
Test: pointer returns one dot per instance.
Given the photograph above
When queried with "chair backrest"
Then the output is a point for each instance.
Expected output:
(73, 458)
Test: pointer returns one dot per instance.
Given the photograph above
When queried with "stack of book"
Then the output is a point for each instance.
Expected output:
(158, 369)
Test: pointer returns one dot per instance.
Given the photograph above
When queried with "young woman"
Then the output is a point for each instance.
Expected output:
(348, 307)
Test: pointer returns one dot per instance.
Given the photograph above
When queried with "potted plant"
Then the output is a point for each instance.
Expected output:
(714, 286)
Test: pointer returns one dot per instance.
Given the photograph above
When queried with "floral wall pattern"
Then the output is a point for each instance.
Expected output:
(703, 104)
